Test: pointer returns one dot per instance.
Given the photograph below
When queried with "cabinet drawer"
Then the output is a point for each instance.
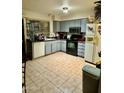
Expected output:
(81, 47)
(81, 44)
(81, 54)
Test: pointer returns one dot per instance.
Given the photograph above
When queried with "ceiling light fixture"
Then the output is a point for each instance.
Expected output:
(65, 9)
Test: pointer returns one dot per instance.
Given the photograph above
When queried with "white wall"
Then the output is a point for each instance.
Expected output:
(34, 15)
(80, 15)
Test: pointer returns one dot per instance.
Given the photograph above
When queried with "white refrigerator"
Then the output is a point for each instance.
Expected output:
(93, 43)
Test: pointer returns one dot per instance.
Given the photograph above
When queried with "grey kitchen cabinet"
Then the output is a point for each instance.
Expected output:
(54, 46)
(74, 23)
(77, 23)
(64, 26)
(58, 45)
(84, 22)
(63, 45)
(81, 49)
(56, 26)
(48, 49)
(71, 23)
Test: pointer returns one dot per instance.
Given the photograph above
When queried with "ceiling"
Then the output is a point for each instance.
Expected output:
(45, 7)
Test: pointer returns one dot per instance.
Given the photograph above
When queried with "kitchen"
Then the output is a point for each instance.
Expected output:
(63, 29)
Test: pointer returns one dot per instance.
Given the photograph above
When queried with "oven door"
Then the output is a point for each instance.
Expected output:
(72, 48)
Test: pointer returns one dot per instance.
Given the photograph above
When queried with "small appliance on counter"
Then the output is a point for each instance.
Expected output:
(62, 35)
(39, 37)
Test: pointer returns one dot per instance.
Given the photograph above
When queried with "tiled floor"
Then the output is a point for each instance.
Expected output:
(55, 73)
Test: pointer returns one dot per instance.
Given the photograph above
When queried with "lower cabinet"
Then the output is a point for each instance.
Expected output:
(63, 45)
(54, 46)
(48, 49)
(38, 49)
(43, 48)
(58, 45)
(81, 49)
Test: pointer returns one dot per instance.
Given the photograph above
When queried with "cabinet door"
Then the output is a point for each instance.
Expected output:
(63, 46)
(54, 46)
(77, 23)
(83, 24)
(72, 23)
(66, 26)
(48, 48)
(58, 45)
(38, 49)
(62, 26)
(56, 26)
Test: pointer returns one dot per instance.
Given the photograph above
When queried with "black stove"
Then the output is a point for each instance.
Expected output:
(72, 47)
(72, 44)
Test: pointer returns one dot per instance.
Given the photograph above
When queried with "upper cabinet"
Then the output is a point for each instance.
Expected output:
(84, 22)
(77, 23)
(56, 26)
(74, 23)
(63, 26)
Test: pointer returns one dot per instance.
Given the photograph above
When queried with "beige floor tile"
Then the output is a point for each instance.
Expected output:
(39, 91)
(55, 73)
(77, 90)
(49, 75)
(58, 81)
(50, 88)
(41, 82)
(31, 88)
(70, 84)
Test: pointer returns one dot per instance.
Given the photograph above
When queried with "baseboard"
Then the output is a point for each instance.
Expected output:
(90, 62)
